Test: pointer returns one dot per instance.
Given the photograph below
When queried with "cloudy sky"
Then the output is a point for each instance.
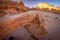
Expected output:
(33, 3)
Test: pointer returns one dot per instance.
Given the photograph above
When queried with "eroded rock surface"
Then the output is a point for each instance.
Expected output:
(36, 28)
(10, 7)
(10, 23)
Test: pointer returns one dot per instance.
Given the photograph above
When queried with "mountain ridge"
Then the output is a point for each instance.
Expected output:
(47, 5)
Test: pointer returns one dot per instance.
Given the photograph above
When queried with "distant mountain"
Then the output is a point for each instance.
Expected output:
(47, 5)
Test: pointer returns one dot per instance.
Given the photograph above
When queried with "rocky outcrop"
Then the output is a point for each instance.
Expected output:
(33, 23)
(36, 28)
(43, 5)
(10, 7)
(10, 23)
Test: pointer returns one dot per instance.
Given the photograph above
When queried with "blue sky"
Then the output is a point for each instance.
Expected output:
(33, 3)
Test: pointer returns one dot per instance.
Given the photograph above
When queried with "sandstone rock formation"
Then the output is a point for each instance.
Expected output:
(10, 7)
(47, 5)
(10, 23)
(36, 28)
(49, 8)
(33, 24)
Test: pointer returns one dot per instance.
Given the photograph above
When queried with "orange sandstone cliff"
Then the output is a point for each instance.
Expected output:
(10, 7)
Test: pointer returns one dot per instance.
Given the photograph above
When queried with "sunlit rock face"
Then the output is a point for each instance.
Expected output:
(47, 5)
(44, 5)
(56, 8)
(11, 7)
(10, 4)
